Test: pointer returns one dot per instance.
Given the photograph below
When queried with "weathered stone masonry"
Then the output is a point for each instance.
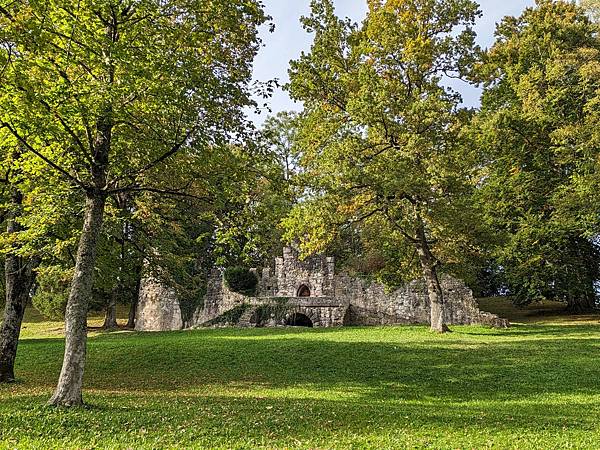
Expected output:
(310, 293)
(158, 307)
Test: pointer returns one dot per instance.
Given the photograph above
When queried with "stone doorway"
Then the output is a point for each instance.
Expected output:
(303, 291)
(299, 320)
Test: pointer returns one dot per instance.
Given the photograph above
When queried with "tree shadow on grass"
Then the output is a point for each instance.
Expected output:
(407, 366)
(276, 388)
(233, 421)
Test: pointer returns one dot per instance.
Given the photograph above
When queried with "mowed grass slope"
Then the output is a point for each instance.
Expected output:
(531, 386)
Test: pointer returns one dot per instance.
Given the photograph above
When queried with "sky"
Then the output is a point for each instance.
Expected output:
(289, 39)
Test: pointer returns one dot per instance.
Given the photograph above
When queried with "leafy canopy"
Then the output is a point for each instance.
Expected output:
(380, 133)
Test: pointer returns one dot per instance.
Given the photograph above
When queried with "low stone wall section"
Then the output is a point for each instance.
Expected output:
(371, 303)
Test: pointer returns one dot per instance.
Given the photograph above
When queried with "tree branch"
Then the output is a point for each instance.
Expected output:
(174, 192)
(172, 151)
(51, 163)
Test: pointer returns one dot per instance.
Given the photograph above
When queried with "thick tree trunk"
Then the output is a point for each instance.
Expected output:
(582, 304)
(110, 316)
(432, 282)
(69, 389)
(132, 311)
(19, 281)
(20, 277)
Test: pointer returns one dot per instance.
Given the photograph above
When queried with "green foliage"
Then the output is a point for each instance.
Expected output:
(126, 102)
(538, 133)
(70, 74)
(277, 311)
(312, 388)
(51, 295)
(383, 155)
(51, 304)
(230, 317)
(241, 280)
(279, 133)
(188, 304)
(253, 196)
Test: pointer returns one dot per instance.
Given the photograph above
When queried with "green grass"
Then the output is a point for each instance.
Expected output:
(545, 312)
(531, 386)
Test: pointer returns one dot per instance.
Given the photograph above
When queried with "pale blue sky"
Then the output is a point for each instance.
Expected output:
(289, 39)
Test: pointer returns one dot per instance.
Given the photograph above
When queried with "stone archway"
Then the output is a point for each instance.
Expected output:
(303, 291)
(299, 320)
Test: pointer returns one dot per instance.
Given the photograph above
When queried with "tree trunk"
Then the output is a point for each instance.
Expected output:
(432, 282)
(110, 316)
(20, 277)
(580, 287)
(69, 389)
(134, 301)
(584, 303)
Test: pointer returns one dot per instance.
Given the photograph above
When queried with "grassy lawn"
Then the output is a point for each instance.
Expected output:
(531, 386)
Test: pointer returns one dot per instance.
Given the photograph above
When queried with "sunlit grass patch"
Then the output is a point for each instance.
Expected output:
(534, 386)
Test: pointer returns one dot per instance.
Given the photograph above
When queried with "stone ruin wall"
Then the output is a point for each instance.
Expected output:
(317, 273)
(367, 303)
(371, 303)
(364, 303)
(217, 300)
(158, 307)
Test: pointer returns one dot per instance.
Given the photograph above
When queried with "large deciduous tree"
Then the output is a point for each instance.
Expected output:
(380, 133)
(19, 267)
(32, 214)
(538, 129)
(107, 93)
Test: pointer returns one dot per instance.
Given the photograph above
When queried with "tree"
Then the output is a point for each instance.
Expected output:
(254, 196)
(380, 134)
(279, 133)
(107, 93)
(538, 130)
(121, 253)
(23, 194)
(20, 275)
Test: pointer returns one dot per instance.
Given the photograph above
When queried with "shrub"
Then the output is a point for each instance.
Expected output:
(241, 280)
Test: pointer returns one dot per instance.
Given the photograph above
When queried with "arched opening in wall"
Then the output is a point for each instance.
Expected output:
(299, 320)
(350, 317)
(303, 291)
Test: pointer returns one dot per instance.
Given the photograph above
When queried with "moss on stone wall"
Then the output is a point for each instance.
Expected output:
(188, 304)
(277, 311)
(231, 317)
